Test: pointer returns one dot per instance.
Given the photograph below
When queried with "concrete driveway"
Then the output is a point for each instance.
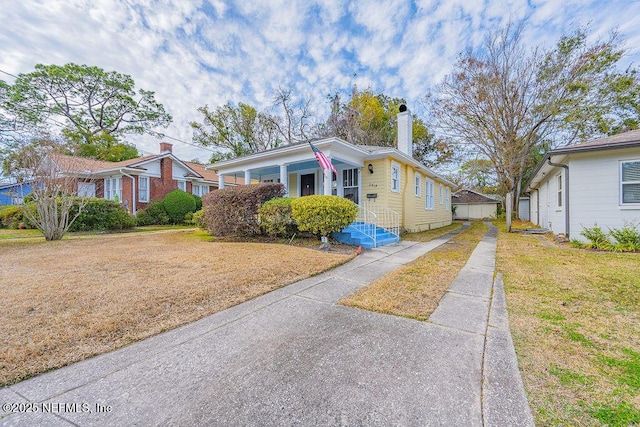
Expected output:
(293, 357)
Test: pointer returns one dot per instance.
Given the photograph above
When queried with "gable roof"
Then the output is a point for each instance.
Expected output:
(630, 139)
(467, 196)
(621, 140)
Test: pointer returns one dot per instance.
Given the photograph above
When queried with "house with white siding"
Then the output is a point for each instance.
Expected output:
(596, 182)
(393, 190)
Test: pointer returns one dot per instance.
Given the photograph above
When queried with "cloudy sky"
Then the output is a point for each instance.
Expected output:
(208, 52)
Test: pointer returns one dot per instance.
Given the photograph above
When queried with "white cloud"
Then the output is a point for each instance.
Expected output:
(193, 53)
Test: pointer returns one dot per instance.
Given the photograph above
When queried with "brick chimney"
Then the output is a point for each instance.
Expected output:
(165, 146)
(405, 131)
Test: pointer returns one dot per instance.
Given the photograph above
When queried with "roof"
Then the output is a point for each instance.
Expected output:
(630, 139)
(467, 196)
(82, 165)
(298, 151)
(621, 140)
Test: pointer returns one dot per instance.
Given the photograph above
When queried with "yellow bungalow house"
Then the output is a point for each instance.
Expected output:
(393, 190)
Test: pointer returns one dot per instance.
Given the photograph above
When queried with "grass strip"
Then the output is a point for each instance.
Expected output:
(415, 289)
(574, 317)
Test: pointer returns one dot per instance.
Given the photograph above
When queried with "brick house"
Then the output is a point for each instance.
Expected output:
(137, 182)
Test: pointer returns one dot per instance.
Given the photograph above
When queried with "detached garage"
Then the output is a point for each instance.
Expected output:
(471, 205)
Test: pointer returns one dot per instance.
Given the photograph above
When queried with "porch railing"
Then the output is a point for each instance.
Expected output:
(371, 216)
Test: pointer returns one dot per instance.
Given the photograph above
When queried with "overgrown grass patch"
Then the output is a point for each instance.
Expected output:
(68, 300)
(415, 289)
(575, 320)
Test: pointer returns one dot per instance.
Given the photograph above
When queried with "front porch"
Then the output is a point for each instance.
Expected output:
(298, 170)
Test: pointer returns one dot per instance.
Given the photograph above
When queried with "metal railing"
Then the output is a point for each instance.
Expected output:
(371, 216)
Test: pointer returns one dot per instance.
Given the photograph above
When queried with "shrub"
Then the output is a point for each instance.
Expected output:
(197, 218)
(177, 204)
(100, 214)
(323, 215)
(153, 214)
(628, 238)
(596, 236)
(234, 210)
(13, 217)
(198, 200)
(275, 217)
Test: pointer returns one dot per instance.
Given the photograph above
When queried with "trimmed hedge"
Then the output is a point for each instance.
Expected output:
(100, 214)
(323, 215)
(234, 210)
(153, 214)
(275, 217)
(178, 203)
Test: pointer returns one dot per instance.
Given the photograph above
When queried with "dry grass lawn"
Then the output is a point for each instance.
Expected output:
(575, 320)
(65, 301)
(415, 289)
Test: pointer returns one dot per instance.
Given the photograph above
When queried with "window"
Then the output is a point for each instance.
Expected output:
(143, 188)
(559, 188)
(113, 188)
(630, 181)
(441, 194)
(200, 190)
(182, 185)
(86, 189)
(395, 177)
(448, 199)
(418, 185)
(350, 184)
(429, 196)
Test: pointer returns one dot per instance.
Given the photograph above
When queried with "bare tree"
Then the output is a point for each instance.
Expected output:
(294, 125)
(506, 100)
(54, 187)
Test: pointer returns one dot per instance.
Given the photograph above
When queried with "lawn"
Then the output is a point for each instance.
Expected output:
(415, 289)
(68, 300)
(575, 321)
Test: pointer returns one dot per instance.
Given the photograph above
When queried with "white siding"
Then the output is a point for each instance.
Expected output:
(595, 191)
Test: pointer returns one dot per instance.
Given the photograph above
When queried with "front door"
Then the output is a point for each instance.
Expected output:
(307, 184)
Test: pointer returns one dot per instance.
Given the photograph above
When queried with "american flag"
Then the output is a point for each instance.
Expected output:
(325, 163)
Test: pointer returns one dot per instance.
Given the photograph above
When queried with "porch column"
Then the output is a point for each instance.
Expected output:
(328, 179)
(284, 179)
(220, 181)
(247, 177)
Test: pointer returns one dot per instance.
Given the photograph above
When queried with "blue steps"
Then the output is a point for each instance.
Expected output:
(353, 235)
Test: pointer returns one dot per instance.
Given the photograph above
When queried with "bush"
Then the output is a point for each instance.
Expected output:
(154, 214)
(628, 238)
(13, 217)
(198, 200)
(177, 204)
(234, 210)
(596, 236)
(100, 214)
(197, 218)
(275, 217)
(323, 215)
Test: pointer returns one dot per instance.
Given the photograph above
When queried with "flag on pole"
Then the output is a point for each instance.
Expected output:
(325, 163)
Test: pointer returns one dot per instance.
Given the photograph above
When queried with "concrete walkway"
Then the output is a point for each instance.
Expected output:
(293, 357)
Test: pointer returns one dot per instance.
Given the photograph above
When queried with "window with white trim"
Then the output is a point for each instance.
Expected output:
(448, 199)
(441, 194)
(395, 177)
(350, 184)
(418, 185)
(182, 185)
(143, 189)
(199, 190)
(113, 188)
(559, 190)
(630, 182)
(429, 188)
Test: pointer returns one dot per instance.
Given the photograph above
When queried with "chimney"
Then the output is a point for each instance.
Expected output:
(405, 131)
(165, 146)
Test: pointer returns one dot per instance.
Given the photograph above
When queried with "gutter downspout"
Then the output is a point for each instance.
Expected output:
(133, 191)
(566, 196)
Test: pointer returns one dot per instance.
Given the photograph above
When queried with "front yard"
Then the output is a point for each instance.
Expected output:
(68, 300)
(575, 321)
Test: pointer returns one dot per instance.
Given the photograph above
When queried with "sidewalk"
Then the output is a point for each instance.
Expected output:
(294, 357)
